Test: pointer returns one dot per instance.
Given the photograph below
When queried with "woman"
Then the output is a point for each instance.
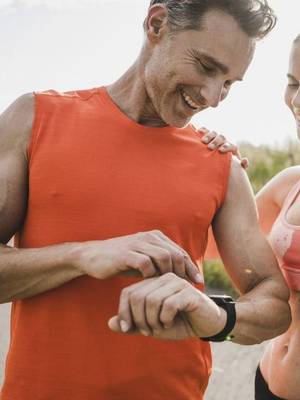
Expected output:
(278, 374)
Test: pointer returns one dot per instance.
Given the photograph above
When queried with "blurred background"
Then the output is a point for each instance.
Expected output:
(77, 44)
(73, 44)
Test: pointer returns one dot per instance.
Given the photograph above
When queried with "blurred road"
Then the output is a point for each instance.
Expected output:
(4, 335)
(233, 373)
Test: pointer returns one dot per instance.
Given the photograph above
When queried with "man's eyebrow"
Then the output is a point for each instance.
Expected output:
(211, 60)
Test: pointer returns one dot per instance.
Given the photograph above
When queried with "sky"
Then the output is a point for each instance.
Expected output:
(76, 44)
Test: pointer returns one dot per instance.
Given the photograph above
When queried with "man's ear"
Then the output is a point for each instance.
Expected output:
(156, 22)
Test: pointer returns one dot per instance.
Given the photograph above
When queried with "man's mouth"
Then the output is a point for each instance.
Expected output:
(189, 101)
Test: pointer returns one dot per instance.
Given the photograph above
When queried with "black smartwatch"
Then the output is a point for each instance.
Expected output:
(228, 304)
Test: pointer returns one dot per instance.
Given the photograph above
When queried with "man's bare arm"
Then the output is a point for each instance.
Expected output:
(171, 308)
(262, 310)
(28, 272)
(23, 272)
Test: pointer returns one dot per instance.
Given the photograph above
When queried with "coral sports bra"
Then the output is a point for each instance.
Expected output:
(285, 241)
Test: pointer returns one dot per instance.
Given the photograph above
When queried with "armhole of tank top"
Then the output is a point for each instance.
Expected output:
(34, 129)
(225, 176)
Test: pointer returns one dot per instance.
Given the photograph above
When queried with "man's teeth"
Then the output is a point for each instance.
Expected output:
(190, 102)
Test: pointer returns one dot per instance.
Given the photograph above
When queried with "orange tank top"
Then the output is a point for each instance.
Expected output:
(95, 174)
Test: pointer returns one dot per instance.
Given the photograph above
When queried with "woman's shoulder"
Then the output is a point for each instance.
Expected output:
(282, 183)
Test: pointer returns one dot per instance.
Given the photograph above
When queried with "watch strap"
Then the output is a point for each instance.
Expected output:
(227, 303)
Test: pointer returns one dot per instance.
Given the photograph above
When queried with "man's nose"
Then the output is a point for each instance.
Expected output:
(212, 94)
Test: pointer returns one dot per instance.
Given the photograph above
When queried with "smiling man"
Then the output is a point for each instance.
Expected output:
(100, 183)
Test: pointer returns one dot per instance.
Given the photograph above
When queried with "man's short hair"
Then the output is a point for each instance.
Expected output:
(255, 17)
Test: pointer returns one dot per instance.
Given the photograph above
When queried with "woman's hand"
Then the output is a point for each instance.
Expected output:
(215, 141)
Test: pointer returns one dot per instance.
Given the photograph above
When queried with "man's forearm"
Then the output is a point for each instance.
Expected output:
(28, 272)
(262, 313)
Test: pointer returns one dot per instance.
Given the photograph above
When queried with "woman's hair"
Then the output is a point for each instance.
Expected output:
(255, 17)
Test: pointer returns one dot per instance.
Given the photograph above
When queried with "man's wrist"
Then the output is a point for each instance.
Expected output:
(73, 257)
(221, 320)
(227, 305)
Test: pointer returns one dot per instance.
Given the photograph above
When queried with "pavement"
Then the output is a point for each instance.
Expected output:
(233, 372)
(4, 335)
(233, 365)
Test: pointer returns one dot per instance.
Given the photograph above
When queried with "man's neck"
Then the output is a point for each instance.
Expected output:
(130, 95)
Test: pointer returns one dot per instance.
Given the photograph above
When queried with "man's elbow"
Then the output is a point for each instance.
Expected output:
(286, 318)
(282, 310)
(286, 322)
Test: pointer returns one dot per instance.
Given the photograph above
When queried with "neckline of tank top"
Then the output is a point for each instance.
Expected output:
(292, 195)
(102, 92)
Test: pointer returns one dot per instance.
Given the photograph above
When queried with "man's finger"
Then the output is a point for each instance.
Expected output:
(142, 263)
(133, 294)
(137, 302)
(155, 300)
(192, 271)
(114, 325)
(179, 301)
(161, 257)
(167, 257)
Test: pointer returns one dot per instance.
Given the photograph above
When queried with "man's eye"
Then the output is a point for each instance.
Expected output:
(207, 68)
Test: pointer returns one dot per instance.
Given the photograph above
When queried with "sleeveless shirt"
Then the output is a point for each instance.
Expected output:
(95, 174)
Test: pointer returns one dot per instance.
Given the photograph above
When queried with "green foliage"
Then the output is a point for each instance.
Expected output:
(265, 162)
(217, 280)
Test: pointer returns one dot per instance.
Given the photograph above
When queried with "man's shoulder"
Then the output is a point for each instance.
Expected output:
(79, 94)
(237, 173)
(22, 106)
(211, 155)
(17, 120)
(52, 102)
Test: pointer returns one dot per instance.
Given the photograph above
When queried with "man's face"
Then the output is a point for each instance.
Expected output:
(195, 69)
(292, 93)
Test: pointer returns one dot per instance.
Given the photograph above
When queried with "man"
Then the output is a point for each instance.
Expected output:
(100, 182)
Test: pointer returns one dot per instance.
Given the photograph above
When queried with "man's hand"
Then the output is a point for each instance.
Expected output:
(147, 253)
(167, 307)
(216, 141)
